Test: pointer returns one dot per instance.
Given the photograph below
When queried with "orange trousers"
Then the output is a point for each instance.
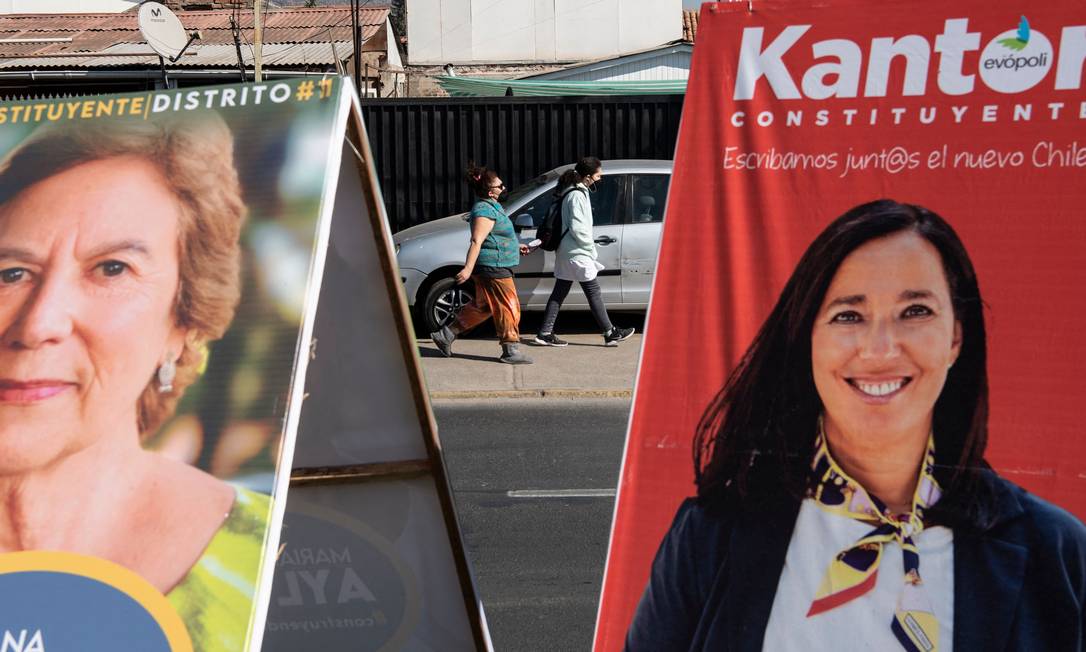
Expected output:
(497, 298)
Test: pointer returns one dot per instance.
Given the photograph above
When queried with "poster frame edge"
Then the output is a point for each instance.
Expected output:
(283, 467)
(366, 168)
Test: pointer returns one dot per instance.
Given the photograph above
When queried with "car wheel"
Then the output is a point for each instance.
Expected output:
(443, 303)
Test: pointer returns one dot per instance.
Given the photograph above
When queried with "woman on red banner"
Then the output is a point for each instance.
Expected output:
(576, 258)
(119, 263)
(492, 254)
(843, 497)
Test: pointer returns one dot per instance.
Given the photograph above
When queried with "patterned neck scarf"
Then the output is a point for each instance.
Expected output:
(853, 571)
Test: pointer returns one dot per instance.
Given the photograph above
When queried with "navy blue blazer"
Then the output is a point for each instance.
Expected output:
(1019, 583)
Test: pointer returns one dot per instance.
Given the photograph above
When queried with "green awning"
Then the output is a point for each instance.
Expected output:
(475, 87)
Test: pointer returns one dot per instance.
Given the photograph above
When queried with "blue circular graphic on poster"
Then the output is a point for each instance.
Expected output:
(60, 602)
(339, 584)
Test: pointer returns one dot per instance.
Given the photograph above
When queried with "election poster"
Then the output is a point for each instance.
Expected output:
(371, 555)
(176, 270)
(796, 113)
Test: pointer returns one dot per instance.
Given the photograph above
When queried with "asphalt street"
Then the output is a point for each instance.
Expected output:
(533, 481)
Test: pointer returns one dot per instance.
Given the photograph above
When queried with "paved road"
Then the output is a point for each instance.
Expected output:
(538, 561)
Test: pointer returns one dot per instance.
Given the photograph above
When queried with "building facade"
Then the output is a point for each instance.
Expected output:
(536, 31)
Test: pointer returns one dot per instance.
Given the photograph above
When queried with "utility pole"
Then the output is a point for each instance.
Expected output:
(356, 34)
(258, 40)
(236, 31)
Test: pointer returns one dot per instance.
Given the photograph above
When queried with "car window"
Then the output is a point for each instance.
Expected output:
(537, 208)
(604, 195)
(648, 192)
(529, 188)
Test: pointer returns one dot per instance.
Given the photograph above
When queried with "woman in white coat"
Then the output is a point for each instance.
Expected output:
(576, 259)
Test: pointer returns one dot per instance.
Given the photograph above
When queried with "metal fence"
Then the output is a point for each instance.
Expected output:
(422, 146)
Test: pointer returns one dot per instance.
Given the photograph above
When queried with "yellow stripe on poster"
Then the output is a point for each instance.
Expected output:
(113, 575)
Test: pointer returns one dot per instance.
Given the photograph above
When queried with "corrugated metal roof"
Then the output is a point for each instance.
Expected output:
(66, 22)
(292, 37)
(203, 56)
(302, 3)
(301, 54)
(323, 16)
(213, 19)
(666, 62)
(668, 65)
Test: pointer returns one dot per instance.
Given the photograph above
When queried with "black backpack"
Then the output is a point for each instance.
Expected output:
(550, 231)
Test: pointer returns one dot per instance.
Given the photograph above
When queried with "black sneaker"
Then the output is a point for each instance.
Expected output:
(616, 335)
(443, 340)
(549, 339)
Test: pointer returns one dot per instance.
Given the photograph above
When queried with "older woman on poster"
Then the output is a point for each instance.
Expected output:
(119, 262)
(843, 498)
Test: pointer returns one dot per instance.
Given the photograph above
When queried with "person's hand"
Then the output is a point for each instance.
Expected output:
(463, 275)
(525, 250)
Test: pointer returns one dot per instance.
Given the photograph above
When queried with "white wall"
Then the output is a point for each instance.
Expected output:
(481, 31)
(64, 6)
(392, 47)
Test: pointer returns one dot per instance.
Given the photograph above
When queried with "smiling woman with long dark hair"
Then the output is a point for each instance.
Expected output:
(843, 497)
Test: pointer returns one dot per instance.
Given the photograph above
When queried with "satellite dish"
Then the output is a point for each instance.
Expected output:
(162, 30)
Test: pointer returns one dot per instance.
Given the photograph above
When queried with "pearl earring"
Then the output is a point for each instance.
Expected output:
(166, 372)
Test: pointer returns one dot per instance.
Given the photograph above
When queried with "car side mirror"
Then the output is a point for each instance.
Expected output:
(524, 221)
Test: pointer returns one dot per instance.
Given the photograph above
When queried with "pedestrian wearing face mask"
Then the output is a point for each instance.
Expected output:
(492, 253)
(576, 258)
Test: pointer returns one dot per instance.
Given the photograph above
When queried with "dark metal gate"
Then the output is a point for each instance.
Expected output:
(422, 146)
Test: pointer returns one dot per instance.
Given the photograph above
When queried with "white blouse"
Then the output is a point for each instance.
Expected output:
(863, 623)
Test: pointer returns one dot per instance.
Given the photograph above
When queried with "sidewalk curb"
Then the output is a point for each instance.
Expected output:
(532, 393)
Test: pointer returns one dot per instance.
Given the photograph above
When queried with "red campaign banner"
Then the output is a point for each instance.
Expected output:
(793, 115)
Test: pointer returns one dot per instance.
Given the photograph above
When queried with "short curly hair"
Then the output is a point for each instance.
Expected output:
(195, 155)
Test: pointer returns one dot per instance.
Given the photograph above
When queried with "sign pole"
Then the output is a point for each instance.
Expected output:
(258, 40)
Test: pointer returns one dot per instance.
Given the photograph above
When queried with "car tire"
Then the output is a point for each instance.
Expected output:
(443, 303)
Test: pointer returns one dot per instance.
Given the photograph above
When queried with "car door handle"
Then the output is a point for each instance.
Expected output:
(605, 240)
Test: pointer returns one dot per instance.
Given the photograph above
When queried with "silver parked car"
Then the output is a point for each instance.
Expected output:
(627, 211)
